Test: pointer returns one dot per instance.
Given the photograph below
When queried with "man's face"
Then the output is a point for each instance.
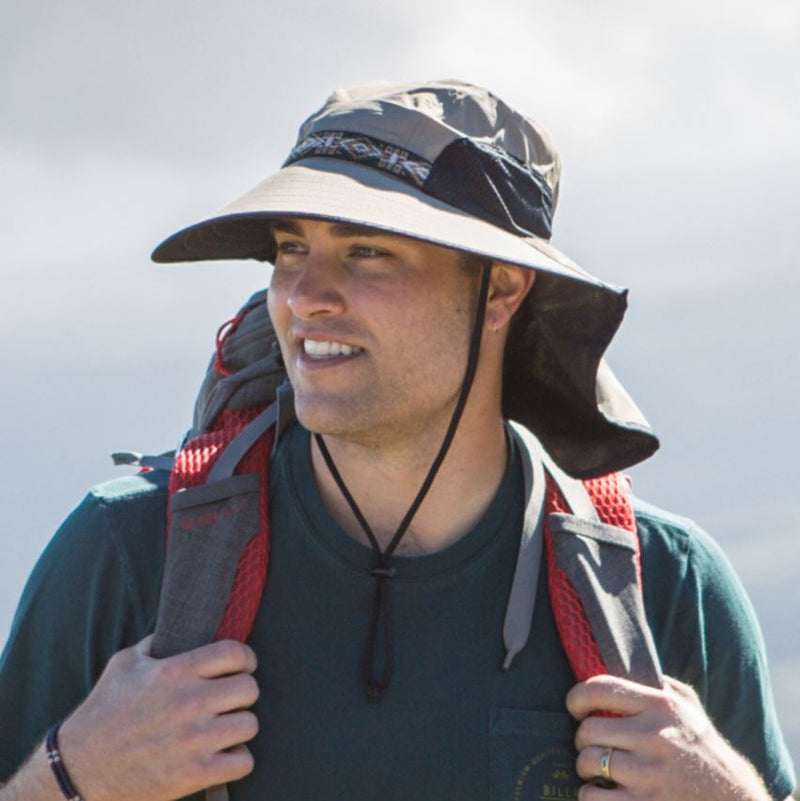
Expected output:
(374, 329)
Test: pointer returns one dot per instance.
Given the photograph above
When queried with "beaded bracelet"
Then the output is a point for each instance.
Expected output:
(57, 764)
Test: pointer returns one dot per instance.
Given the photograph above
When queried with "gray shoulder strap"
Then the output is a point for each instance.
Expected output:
(210, 525)
(229, 459)
(572, 489)
(522, 599)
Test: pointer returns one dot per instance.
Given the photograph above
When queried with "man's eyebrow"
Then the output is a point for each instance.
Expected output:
(286, 227)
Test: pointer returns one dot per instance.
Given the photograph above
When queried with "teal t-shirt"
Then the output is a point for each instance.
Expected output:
(452, 724)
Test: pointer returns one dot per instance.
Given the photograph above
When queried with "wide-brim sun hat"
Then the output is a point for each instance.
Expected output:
(451, 164)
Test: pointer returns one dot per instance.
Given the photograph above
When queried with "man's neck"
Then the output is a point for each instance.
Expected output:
(385, 481)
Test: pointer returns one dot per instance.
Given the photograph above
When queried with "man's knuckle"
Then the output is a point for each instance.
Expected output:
(229, 649)
(232, 653)
(242, 763)
(577, 699)
(163, 672)
(120, 662)
(250, 689)
(230, 765)
(594, 693)
(590, 731)
(680, 688)
(583, 764)
(250, 725)
(665, 706)
(240, 727)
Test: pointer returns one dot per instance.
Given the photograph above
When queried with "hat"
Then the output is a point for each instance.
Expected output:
(451, 164)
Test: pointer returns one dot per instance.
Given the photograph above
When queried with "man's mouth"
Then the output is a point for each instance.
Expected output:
(325, 349)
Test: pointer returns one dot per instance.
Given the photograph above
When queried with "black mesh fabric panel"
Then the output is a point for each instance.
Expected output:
(487, 183)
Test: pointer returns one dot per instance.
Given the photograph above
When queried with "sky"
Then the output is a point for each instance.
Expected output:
(677, 124)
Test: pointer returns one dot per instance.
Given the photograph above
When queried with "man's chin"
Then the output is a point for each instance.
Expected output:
(326, 416)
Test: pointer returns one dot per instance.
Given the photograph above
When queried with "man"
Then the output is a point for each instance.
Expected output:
(417, 304)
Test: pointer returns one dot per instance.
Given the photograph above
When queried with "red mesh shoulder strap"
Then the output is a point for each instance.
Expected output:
(611, 499)
(191, 469)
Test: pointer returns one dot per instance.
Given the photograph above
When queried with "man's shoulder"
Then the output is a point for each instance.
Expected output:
(125, 515)
(663, 533)
(652, 517)
(131, 490)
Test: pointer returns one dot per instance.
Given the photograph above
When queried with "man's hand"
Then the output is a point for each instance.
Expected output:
(664, 746)
(158, 729)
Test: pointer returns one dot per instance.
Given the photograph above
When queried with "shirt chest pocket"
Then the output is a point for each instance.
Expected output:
(532, 756)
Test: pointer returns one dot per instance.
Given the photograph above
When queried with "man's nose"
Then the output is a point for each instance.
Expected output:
(317, 290)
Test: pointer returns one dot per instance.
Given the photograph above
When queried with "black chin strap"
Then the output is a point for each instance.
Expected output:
(382, 570)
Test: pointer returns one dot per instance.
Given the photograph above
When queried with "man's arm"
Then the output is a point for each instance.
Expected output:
(34, 781)
(664, 745)
(154, 730)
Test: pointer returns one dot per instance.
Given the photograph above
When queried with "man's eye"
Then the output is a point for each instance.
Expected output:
(366, 252)
(288, 246)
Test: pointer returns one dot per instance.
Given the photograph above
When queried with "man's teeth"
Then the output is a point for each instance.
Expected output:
(317, 349)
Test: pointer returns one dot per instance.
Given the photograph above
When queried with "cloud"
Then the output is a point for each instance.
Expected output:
(187, 80)
(182, 81)
(669, 84)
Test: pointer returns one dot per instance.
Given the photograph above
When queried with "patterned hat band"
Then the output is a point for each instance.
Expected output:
(475, 177)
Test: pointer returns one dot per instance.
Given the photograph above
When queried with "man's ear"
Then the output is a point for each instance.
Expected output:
(508, 286)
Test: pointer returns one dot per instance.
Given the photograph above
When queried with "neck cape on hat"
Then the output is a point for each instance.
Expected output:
(449, 163)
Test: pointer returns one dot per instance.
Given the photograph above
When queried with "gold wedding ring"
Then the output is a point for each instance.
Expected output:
(605, 764)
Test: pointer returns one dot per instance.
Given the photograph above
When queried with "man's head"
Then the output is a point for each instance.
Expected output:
(449, 165)
(375, 328)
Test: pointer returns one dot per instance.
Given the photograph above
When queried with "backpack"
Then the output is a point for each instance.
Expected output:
(218, 525)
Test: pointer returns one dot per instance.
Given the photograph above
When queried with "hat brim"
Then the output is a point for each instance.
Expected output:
(351, 192)
(556, 382)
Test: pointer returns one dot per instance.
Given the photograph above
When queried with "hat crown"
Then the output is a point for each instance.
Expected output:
(425, 118)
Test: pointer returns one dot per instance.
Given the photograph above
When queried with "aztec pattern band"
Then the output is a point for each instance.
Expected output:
(57, 764)
(474, 176)
(366, 150)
